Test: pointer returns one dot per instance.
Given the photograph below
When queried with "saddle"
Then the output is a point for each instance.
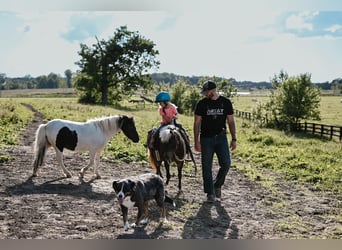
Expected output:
(154, 141)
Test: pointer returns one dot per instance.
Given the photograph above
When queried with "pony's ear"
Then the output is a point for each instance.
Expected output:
(122, 120)
(125, 117)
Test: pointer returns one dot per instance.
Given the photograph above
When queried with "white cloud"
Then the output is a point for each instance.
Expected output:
(300, 21)
(334, 28)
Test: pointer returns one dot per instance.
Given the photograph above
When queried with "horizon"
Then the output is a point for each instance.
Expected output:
(238, 81)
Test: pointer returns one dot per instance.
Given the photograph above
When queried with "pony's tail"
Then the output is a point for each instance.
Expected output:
(152, 160)
(40, 146)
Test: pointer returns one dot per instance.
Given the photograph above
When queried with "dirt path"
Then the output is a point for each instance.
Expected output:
(52, 207)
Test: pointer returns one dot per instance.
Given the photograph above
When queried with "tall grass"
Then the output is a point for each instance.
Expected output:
(13, 118)
(296, 157)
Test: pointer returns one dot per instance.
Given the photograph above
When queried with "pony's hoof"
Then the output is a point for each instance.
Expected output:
(67, 175)
(80, 175)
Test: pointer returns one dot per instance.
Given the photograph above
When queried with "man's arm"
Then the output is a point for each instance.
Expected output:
(232, 130)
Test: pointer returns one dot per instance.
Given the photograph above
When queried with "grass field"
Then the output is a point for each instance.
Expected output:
(305, 159)
(330, 108)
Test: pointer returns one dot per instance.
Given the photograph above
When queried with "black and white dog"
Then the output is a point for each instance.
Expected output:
(136, 192)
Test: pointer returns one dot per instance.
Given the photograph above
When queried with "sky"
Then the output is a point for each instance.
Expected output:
(243, 39)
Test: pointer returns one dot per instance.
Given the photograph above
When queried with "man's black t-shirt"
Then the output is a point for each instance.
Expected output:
(214, 115)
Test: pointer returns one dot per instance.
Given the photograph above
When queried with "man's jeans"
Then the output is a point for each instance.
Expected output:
(214, 144)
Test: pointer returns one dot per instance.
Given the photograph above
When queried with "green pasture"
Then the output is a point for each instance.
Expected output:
(330, 108)
(263, 154)
(298, 157)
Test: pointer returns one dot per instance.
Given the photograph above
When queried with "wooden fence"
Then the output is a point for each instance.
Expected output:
(249, 116)
(306, 127)
(320, 129)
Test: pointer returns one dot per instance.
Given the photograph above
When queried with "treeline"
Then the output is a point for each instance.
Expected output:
(57, 81)
(171, 79)
(193, 80)
(50, 81)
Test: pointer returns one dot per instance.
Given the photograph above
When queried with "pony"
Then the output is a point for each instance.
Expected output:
(89, 136)
(172, 148)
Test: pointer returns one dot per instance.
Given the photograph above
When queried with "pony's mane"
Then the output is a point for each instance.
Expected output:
(106, 123)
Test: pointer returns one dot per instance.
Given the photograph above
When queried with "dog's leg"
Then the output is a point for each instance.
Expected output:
(126, 226)
(139, 216)
(160, 199)
(163, 214)
(124, 211)
(145, 219)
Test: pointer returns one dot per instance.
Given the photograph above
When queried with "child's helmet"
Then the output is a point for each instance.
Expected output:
(163, 97)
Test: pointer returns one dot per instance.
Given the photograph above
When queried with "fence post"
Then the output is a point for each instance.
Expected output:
(331, 132)
(322, 129)
(340, 133)
(305, 126)
(313, 128)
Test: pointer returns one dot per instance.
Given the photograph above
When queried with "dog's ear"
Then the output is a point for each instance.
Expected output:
(115, 185)
(132, 185)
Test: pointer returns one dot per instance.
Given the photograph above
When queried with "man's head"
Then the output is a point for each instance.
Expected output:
(208, 88)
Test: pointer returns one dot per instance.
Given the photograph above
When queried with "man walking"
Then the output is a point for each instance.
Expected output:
(212, 114)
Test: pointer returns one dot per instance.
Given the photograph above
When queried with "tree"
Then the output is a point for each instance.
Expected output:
(191, 99)
(227, 88)
(295, 98)
(2, 77)
(178, 94)
(110, 69)
(68, 75)
(336, 86)
(53, 81)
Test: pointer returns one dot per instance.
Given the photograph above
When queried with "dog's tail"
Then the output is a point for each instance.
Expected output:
(169, 200)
